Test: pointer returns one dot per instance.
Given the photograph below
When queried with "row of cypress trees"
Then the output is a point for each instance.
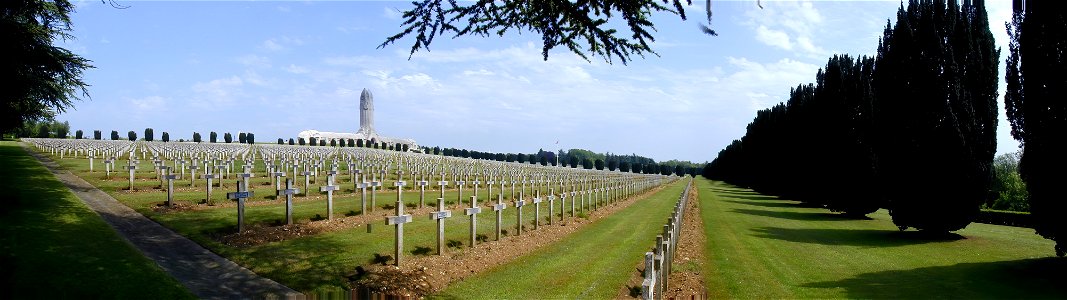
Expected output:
(912, 129)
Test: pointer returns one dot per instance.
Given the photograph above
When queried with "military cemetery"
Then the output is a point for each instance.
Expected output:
(387, 171)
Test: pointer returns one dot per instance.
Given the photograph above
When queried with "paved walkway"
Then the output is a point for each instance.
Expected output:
(203, 272)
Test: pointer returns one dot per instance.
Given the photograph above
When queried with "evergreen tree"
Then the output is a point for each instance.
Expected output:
(292, 142)
(131, 135)
(78, 134)
(96, 135)
(114, 135)
(250, 138)
(213, 137)
(241, 137)
(599, 164)
(196, 137)
(40, 79)
(302, 141)
(165, 137)
(624, 166)
(935, 79)
(148, 135)
(1036, 85)
(227, 137)
(281, 141)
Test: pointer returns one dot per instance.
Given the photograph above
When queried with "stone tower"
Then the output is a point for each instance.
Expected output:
(366, 113)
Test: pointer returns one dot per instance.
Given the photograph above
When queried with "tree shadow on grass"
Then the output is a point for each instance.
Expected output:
(792, 215)
(1039, 278)
(854, 237)
(770, 203)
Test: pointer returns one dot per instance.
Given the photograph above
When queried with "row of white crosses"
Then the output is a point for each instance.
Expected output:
(658, 262)
(367, 168)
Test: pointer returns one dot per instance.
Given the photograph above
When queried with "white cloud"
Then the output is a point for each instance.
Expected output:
(157, 103)
(217, 94)
(776, 38)
(392, 13)
(295, 69)
(272, 45)
(253, 60)
(780, 23)
(280, 43)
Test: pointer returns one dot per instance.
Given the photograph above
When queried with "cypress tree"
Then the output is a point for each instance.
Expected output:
(935, 114)
(1036, 84)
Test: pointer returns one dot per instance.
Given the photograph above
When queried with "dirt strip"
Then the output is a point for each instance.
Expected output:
(685, 280)
(205, 274)
(428, 274)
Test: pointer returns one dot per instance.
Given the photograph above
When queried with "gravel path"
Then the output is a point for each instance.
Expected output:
(203, 272)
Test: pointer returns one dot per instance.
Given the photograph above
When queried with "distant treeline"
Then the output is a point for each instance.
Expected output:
(580, 158)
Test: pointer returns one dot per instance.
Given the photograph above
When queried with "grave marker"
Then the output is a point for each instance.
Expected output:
(288, 192)
(329, 188)
(537, 208)
(170, 189)
(398, 220)
(440, 215)
(473, 211)
(209, 177)
(132, 168)
(499, 209)
(240, 196)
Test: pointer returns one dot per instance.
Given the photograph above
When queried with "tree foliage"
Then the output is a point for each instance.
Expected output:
(40, 79)
(165, 137)
(79, 134)
(919, 117)
(583, 27)
(132, 135)
(196, 137)
(96, 134)
(213, 137)
(935, 79)
(227, 137)
(149, 135)
(1036, 85)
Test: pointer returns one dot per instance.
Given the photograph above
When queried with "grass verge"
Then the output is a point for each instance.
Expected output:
(761, 247)
(591, 263)
(53, 246)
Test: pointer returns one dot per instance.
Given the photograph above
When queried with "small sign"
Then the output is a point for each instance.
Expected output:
(238, 195)
(440, 215)
(473, 210)
(499, 207)
(397, 220)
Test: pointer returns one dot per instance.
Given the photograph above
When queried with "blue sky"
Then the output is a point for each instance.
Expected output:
(276, 68)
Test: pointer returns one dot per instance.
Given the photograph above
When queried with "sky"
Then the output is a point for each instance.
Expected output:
(275, 68)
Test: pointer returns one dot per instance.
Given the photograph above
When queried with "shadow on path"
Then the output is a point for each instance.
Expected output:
(1039, 278)
(203, 272)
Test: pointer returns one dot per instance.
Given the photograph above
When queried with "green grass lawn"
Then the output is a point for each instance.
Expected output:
(53, 246)
(760, 247)
(593, 263)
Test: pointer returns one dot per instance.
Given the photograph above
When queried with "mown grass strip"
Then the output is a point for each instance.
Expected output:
(594, 262)
(761, 247)
(53, 246)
